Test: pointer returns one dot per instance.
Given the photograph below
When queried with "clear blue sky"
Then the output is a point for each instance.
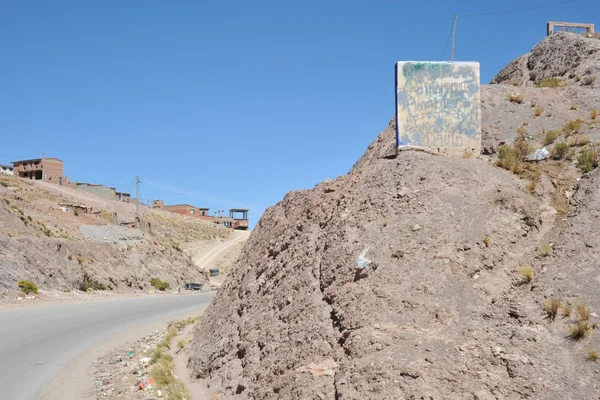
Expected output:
(233, 99)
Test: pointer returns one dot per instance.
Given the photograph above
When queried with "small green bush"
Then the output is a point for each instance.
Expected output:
(550, 137)
(571, 127)
(2, 183)
(559, 150)
(587, 160)
(160, 285)
(28, 287)
(550, 82)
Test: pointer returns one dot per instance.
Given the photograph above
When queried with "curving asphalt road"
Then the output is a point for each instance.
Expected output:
(45, 351)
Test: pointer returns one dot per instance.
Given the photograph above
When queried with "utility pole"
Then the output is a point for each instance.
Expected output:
(454, 34)
(137, 201)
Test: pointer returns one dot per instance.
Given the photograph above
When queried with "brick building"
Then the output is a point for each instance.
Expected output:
(237, 219)
(184, 209)
(42, 169)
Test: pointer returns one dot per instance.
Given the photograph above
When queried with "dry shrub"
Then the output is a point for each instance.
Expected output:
(593, 114)
(545, 249)
(551, 83)
(551, 308)
(550, 137)
(28, 287)
(538, 111)
(487, 240)
(580, 330)
(579, 140)
(593, 355)
(589, 80)
(587, 160)
(531, 186)
(565, 310)
(572, 127)
(559, 150)
(584, 312)
(527, 272)
(515, 97)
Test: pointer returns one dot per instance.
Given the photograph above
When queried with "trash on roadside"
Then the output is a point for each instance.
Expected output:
(150, 381)
(145, 360)
(540, 154)
(130, 354)
(362, 261)
(363, 265)
(141, 386)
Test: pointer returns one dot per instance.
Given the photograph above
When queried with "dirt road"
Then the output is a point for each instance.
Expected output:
(207, 258)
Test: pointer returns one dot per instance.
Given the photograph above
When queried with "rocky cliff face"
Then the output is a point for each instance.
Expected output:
(449, 313)
(571, 57)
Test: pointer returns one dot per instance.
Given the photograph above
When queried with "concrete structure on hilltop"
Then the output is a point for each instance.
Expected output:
(6, 169)
(122, 196)
(42, 169)
(573, 26)
(232, 221)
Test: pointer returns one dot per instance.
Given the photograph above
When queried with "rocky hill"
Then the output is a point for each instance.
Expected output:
(47, 237)
(486, 269)
(573, 58)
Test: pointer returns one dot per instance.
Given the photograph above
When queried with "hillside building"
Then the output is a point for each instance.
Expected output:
(42, 169)
(6, 170)
(237, 219)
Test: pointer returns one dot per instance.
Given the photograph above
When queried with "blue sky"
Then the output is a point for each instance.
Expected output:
(238, 100)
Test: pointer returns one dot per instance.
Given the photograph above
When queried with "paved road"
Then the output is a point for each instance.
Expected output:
(36, 343)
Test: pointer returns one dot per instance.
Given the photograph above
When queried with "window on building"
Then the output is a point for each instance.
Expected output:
(192, 211)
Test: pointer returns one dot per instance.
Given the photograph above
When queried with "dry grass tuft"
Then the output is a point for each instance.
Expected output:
(531, 186)
(551, 308)
(572, 127)
(593, 114)
(487, 241)
(593, 355)
(580, 330)
(538, 111)
(559, 150)
(545, 249)
(515, 97)
(587, 160)
(550, 83)
(589, 80)
(565, 310)
(527, 272)
(584, 312)
(579, 140)
(549, 137)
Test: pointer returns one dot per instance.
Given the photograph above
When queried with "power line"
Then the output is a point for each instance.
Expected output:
(518, 9)
(453, 30)
(448, 40)
(198, 196)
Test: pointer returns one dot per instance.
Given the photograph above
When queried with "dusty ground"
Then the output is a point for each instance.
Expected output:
(44, 239)
(449, 312)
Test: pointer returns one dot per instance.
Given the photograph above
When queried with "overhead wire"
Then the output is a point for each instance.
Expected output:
(518, 9)
(198, 196)
(504, 12)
